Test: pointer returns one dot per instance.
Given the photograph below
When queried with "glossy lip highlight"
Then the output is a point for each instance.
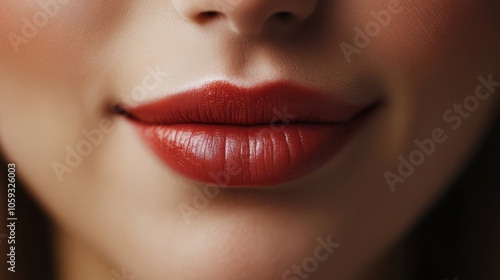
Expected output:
(225, 135)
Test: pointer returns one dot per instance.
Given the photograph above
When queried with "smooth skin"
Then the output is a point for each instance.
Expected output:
(120, 206)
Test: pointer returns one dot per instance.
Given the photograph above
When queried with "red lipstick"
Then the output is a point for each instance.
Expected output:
(225, 135)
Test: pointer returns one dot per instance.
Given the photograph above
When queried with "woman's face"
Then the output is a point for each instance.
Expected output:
(429, 68)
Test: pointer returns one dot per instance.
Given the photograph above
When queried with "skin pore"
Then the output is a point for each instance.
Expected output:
(119, 207)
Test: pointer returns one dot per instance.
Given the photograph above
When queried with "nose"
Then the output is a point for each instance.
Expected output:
(248, 17)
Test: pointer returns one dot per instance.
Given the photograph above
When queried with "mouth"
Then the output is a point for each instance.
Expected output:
(228, 136)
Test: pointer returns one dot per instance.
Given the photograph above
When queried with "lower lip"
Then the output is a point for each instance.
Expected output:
(245, 156)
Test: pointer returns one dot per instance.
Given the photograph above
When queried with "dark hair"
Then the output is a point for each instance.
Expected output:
(456, 239)
(34, 238)
(459, 238)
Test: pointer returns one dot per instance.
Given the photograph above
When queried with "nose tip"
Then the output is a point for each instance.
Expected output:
(248, 17)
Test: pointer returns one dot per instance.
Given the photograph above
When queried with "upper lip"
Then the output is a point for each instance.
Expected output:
(272, 132)
(223, 103)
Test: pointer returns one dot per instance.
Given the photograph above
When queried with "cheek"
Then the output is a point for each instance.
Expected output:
(56, 35)
(423, 32)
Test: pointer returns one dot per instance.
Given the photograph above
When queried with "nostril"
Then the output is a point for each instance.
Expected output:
(284, 16)
(206, 16)
(247, 17)
(210, 14)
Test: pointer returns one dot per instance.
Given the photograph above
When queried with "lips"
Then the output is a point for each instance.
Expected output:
(224, 135)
